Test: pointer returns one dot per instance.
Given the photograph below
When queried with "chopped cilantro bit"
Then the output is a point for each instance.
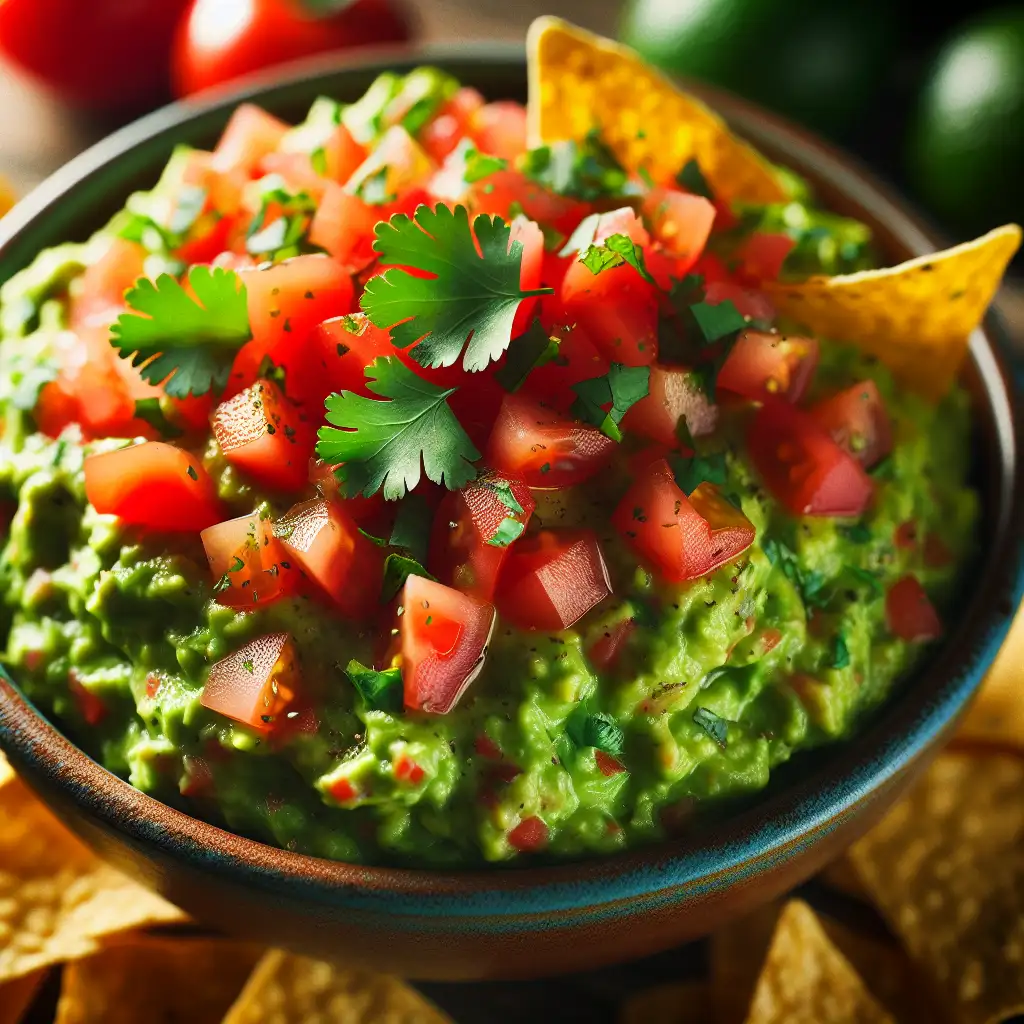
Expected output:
(717, 321)
(747, 607)
(249, 665)
(150, 411)
(595, 730)
(692, 471)
(480, 165)
(586, 170)
(503, 489)
(470, 301)
(840, 652)
(532, 349)
(381, 691)
(740, 676)
(411, 531)
(615, 251)
(381, 542)
(284, 235)
(365, 118)
(192, 474)
(373, 189)
(397, 569)
(717, 728)
(809, 582)
(858, 533)
(622, 387)
(509, 529)
(191, 341)
(269, 370)
(864, 576)
(691, 178)
(383, 442)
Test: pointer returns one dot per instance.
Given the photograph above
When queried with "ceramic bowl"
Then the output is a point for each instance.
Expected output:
(535, 920)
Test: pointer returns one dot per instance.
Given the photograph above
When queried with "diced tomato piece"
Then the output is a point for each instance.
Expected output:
(712, 269)
(90, 705)
(909, 613)
(543, 448)
(905, 536)
(444, 636)
(605, 651)
(441, 135)
(858, 422)
(257, 684)
(209, 241)
(683, 537)
(344, 226)
(617, 307)
(340, 155)
(508, 190)
(530, 236)
(250, 135)
(608, 765)
(752, 304)
(191, 413)
(499, 128)
(766, 363)
(465, 551)
(803, 467)
(529, 836)
(154, 485)
(487, 748)
(552, 579)
(247, 557)
(56, 408)
(265, 437)
(362, 509)
(672, 395)
(577, 360)
(101, 288)
(197, 780)
(680, 222)
(346, 345)
(325, 542)
(407, 770)
(762, 255)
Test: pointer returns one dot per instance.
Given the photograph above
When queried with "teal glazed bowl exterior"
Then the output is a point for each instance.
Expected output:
(531, 921)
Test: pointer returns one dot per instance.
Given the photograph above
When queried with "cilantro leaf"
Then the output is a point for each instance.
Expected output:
(615, 251)
(508, 530)
(411, 531)
(692, 471)
(809, 582)
(717, 728)
(503, 489)
(381, 691)
(623, 386)
(864, 576)
(283, 235)
(397, 569)
(469, 302)
(595, 730)
(586, 170)
(149, 410)
(480, 165)
(840, 652)
(192, 341)
(533, 349)
(858, 533)
(383, 443)
(691, 177)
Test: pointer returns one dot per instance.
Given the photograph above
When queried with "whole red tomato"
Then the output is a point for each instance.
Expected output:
(221, 39)
(94, 53)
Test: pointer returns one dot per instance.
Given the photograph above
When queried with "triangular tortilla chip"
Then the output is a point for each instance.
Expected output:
(579, 81)
(806, 980)
(917, 317)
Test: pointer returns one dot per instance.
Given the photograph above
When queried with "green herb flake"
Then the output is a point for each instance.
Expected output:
(411, 532)
(480, 166)
(380, 690)
(809, 582)
(528, 352)
(692, 471)
(858, 533)
(373, 188)
(717, 728)
(621, 388)
(840, 652)
(595, 730)
(615, 251)
(397, 569)
(509, 529)
(150, 411)
(864, 576)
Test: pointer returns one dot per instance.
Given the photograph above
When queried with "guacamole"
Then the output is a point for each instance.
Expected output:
(578, 681)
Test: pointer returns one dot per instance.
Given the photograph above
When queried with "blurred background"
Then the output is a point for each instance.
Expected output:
(931, 97)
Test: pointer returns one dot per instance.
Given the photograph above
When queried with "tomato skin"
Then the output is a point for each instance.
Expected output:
(499, 128)
(909, 613)
(684, 538)
(577, 360)
(681, 223)
(762, 255)
(750, 303)
(260, 579)
(450, 124)
(608, 765)
(347, 345)
(104, 283)
(803, 467)
(530, 236)
(605, 651)
(552, 579)
(530, 835)
(858, 422)
(257, 684)
(265, 437)
(154, 485)
(617, 307)
(497, 193)
(461, 555)
(210, 49)
(444, 636)
(250, 135)
(344, 225)
(527, 437)
(105, 54)
(325, 542)
(763, 364)
(671, 395)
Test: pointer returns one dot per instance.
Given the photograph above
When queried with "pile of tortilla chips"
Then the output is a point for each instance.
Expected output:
(945, 869)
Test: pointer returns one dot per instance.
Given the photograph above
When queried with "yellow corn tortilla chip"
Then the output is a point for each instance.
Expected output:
(579, 81)
(17, 996)
(6, 771)
(917, 317)
(946, 868)
(173, 980)
(7, 197)
(289, 989)
(57, 899)
(687, 1002)
(806, 980)
(997, 714)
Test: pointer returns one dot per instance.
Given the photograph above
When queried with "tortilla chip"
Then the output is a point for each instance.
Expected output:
(191, 981)
(7, 197)
(580, 81)
(806, 979)
(289, 989)
(946, 867)
(57, 899)
(917, 317)
(17, 996)
(688, 1002)
(997, 713)
(6, 771)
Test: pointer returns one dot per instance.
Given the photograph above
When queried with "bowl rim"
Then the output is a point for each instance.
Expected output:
(765, 833)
